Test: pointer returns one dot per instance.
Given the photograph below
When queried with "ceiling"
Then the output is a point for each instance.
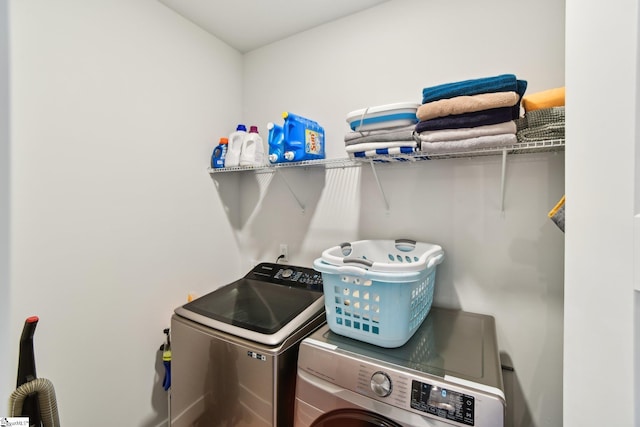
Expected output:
(249, 24)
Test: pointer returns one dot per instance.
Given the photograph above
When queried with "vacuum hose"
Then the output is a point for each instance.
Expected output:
(46, 398)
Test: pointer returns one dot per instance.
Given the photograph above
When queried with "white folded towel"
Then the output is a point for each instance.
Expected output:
(466, 133)
(470, 144)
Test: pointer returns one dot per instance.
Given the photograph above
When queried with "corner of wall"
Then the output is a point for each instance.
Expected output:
(5, 354)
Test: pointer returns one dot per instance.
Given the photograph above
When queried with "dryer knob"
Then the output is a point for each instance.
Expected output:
(381, 384)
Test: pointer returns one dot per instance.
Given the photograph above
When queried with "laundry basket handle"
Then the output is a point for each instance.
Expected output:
(401, 245)
(364, 262)
(435, 260)
(345, 248)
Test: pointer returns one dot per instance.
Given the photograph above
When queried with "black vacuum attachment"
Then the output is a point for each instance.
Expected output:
(27, 371)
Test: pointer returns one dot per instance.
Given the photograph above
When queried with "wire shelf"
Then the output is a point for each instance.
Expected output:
(520, 148)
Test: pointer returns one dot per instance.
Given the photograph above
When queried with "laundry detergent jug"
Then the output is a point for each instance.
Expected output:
(252, 153)
(235, 146)
(219, 154)
(275, 139)
(302, 139)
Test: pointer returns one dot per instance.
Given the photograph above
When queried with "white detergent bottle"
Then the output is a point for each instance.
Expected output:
(252, 149)
(234, 148)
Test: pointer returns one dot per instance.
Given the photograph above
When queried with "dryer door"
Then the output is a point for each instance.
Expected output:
(353, 418)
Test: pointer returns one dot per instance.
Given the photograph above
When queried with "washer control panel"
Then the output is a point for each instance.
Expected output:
(289, 275)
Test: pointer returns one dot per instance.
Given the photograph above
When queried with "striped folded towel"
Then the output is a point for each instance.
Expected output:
(368, 146)
(383, 151)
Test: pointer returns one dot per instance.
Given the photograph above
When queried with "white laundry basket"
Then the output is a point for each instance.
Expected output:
(379, 291)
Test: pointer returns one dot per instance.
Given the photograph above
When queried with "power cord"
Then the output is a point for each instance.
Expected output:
(279, 258)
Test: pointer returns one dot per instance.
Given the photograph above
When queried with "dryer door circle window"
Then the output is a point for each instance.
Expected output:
(353, 418)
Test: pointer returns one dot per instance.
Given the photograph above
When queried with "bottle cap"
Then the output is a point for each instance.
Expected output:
(241, 127)
(253, 129)
(224, 140)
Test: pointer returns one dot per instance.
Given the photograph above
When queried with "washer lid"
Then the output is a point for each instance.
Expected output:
(266, 305)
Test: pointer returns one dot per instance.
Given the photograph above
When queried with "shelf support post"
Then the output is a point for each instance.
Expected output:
(375, 176)
(502, 179)
(290, 189)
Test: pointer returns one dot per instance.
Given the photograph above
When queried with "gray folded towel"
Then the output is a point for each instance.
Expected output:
(465, 133)
(404, 133)
(470, 144)
(541, 125)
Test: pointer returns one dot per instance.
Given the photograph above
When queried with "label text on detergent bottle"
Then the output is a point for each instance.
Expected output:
(313, 142)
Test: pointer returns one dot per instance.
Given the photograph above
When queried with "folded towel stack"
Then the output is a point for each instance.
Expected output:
(470, 114)
(543, 118)
(382, 130)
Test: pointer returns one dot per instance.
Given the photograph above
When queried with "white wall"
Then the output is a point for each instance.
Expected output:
(506, 264)
(5, 377)
(601, 127)
(116, 107)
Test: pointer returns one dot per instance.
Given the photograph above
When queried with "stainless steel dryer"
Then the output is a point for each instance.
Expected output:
(234, 350)
(447, 374)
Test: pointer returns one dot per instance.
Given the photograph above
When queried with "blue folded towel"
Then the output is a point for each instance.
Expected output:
(501, 83)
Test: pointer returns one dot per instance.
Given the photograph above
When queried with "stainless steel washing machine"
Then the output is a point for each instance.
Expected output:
(234, 350)
(447, 374)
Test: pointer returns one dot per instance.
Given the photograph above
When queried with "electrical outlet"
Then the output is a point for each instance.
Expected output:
(284, 252)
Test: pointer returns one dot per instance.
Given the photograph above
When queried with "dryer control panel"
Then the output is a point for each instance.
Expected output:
(442, 402)
(432, 397)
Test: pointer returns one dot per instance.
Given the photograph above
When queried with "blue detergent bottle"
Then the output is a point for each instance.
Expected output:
(219, 153)
(276, 143)
(303, 138)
